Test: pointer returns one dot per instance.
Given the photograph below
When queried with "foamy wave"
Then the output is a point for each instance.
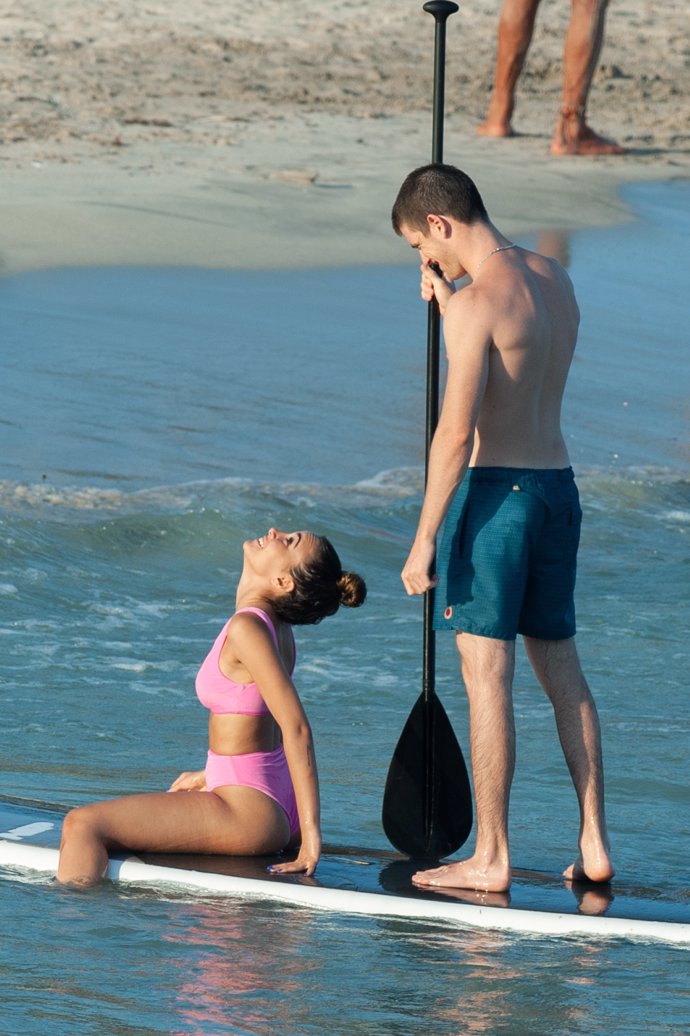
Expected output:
(397, 481)
(682, 517)
(393, 484)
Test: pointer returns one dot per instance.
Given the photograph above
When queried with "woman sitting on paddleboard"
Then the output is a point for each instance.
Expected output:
(259, 793)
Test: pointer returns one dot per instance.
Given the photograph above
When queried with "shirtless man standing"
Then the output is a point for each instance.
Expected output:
(500, 481)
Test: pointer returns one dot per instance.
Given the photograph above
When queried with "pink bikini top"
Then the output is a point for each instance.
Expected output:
(218, 692)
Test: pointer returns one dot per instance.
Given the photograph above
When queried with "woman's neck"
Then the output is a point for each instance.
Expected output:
(250, 594)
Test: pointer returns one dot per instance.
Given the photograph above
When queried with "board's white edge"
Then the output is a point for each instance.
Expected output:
(372, 903)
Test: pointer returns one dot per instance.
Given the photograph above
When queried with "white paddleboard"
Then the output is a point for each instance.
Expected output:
(372, 882)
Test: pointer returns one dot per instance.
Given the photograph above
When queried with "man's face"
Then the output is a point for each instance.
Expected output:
(435, 246)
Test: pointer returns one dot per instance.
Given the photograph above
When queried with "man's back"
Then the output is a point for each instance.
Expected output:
(525, 309)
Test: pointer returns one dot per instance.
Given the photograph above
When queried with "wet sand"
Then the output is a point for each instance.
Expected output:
(229, 135)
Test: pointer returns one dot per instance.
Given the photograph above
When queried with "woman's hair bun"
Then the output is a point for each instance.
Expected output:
(353, 589)
(320, 587)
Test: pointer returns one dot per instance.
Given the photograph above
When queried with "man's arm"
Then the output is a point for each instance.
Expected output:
(468, 339)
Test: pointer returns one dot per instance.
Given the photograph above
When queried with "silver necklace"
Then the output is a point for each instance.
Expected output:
(500, 248)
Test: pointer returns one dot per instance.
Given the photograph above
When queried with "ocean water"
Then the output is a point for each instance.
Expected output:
(154, 418)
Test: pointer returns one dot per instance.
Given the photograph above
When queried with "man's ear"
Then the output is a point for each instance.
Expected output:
(439, 225)
(285, 583)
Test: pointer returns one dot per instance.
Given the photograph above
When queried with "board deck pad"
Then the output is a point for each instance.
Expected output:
(375, 882)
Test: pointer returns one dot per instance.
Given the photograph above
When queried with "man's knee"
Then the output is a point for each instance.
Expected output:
(556, 664)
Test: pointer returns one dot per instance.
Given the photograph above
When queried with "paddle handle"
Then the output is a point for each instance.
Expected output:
(441, 11)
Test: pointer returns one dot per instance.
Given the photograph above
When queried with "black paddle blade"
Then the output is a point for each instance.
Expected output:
(427, 802)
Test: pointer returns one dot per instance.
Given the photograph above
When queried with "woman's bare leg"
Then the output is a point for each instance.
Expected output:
(232, 820)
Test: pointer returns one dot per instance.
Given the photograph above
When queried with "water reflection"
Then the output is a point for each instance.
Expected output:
(556, 245)
(240, 964)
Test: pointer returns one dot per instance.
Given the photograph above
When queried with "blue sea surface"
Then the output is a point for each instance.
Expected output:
(151, 420)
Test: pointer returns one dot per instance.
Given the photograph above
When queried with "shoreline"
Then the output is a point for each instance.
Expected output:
(275, 138)
(272, 213)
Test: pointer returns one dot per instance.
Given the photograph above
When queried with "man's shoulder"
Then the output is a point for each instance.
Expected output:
(478, 300)
(548, 266)
(465, 298)
(470, 318)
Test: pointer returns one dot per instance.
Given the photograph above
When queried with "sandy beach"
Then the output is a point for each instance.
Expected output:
(228, 135)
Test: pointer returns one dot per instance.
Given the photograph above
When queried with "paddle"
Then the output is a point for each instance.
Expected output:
(427, 803)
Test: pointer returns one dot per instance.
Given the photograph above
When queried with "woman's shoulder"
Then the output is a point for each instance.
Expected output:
(249, 621)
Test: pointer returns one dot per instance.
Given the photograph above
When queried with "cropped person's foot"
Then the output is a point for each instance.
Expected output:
(574, 137)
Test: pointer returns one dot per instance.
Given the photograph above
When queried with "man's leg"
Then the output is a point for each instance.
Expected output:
(515, 28)
(487, 670)
(557, 667)
(583, 43)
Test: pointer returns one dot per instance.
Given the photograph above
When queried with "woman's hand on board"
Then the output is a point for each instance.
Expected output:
(309, 853)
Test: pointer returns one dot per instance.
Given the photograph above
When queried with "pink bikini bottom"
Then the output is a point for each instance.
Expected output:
(266, 771)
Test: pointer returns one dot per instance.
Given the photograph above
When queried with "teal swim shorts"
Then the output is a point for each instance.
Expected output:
(508, 555)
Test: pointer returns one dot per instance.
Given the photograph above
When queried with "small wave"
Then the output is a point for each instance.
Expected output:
(396, 481)
(130, 667)
(16, 496)
(677, 516)
(389, 485)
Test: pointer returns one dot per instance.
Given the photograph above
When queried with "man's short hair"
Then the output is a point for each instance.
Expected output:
(439, 189)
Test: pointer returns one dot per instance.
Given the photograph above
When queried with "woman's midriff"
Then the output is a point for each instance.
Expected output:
(233, 734)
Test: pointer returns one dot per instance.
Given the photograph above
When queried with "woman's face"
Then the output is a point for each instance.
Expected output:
(276, 553)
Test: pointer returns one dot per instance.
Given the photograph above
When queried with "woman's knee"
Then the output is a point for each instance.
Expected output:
(79, 822)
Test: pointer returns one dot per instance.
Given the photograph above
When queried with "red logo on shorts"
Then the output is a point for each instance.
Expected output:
(448, 613)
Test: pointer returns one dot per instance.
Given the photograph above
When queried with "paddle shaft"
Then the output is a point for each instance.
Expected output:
(441, 10)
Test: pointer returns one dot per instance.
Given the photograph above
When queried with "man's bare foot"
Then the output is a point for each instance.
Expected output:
(574, 137)
(466, 874)
(496, 128)
(598, 868)
(498, 118)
